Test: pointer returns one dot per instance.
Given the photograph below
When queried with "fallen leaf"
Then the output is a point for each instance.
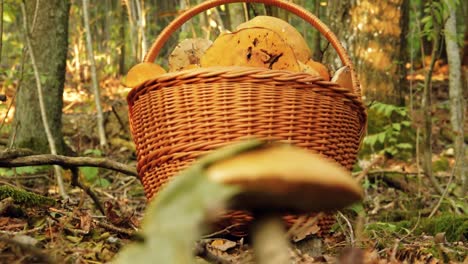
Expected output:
(223, 244)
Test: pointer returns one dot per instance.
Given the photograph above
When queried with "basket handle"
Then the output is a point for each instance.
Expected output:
(293, 8)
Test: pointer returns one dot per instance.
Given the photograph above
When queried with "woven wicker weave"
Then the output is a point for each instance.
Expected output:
(179, 116)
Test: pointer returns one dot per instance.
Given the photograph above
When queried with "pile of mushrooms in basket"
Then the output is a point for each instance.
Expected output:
(265, 178)
(263, 41)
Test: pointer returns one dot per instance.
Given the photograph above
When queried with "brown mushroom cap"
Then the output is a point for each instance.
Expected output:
(187, 54)
(288, 179)
(343, 77)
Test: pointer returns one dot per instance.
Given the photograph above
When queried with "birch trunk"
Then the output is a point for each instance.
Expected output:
(94, 78)
(456, 96)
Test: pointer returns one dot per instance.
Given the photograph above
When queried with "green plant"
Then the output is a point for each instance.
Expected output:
(389, 131)
(91, 174)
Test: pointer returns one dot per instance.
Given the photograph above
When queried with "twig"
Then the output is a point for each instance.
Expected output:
(445, 191)
(65, 161)
(99, 223)
(115, 228)
(119, 119)
(23, 232)
(86, 189)
(221, 232)
(412, 229)
(45, 122)
(418, 161)
(351, 232)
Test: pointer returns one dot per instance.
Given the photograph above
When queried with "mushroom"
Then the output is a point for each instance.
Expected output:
(277, 179)
(141, 73)
(187, 54)
(252, 47)
(287, 32)
(316, 67)
(343, 77)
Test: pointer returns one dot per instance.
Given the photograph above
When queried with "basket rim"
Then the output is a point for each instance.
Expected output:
(206, 74)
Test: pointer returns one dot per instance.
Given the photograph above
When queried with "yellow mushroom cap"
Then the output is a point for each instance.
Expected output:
(252, 47)
(287, 32)
(288, 179)
(142, 72)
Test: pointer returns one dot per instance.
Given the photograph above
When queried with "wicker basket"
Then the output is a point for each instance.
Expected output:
(179, 116)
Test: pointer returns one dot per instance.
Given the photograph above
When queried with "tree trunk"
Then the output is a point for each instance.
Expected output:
(49, 40)
(1, 29)
(401, 84)
(370, 32)
(141, 22)
(165, 6)
(94, 78)
(236, 12)
(122, 30)
(427, 110)
(456, 95)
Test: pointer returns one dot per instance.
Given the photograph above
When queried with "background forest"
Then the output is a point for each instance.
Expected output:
(411, 58)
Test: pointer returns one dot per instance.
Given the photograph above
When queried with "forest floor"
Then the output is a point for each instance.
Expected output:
(401, 220)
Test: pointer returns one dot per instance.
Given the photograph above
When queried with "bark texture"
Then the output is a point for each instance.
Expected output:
(49, 39)
(457, 104)
(371, 33)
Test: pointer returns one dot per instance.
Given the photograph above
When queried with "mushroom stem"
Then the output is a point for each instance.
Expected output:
(269, 240)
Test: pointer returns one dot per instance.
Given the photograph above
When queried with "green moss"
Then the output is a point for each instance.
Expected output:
(25, 197)
(441, 164)
(454, 226)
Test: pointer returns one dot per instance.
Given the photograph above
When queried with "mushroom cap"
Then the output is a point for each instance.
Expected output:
(187, 54)
(343, 77)
(286, 178)
(287, 32)
(252, 47)
(141, 73)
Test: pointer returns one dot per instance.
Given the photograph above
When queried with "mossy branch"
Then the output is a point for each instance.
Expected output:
(25, 197)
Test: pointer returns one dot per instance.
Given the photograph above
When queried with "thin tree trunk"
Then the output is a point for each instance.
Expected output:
(315, 35)
(141, 18)
(427, 110)
(50, 138)
(133, 29)
(236, 12)
(3, 90)
(456, 95)
(1, 29)
(94, 78)
(123, 22)
(401, 84)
